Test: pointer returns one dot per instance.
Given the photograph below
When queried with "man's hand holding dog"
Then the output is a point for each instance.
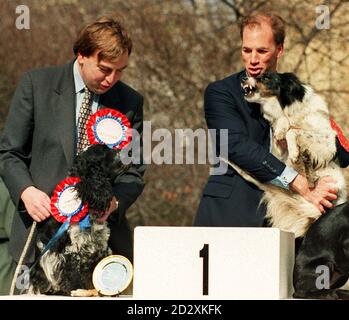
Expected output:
(37, 203)
(321, 195)
(113, 206)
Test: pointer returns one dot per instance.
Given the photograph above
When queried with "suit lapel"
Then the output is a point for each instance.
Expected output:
(64, 112)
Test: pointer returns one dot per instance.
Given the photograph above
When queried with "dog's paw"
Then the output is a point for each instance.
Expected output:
(280, 128)
(280, 134)
(292, 146)
(84, 293)
(293, 156)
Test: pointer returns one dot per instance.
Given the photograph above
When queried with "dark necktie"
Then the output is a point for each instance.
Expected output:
(84, 115)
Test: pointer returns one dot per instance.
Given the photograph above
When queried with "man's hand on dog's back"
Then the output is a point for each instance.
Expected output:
(326, 189)
(321, 195)
(37, 203)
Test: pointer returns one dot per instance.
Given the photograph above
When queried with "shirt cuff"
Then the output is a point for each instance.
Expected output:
(285, 178)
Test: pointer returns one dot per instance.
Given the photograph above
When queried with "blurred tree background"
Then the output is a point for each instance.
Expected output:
(179, 47)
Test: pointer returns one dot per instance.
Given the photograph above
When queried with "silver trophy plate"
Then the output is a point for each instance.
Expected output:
(112, 275)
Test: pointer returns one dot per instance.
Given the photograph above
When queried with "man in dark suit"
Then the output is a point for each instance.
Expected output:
(39, 142)
(228, 200)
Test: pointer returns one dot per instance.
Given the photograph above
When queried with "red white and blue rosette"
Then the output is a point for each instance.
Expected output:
(65, 202)
(110, 127)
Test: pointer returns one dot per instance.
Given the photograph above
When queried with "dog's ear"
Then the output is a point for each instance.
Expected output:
(271, 81)
(292, 89)
(93, 167)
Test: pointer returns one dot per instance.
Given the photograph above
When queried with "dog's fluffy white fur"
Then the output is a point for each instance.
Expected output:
(301, 117)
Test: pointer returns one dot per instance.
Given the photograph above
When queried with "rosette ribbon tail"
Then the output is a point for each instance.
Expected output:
(62, 229)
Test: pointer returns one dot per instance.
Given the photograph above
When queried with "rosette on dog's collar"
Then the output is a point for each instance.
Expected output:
(65, 202)
(110, 127)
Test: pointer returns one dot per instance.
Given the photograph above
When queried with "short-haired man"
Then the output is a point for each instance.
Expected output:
(41, 135)
(229, 200)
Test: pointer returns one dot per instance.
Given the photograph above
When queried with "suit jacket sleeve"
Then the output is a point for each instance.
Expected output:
(130, 185)
(222, 112)
(15, 143)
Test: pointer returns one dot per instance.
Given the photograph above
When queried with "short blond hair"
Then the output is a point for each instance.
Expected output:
(106, 36)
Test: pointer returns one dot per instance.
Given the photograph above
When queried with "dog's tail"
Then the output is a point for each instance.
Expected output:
(246, 175)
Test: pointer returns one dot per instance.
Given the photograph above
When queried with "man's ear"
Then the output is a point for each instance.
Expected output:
(280, 51)
(80, 58)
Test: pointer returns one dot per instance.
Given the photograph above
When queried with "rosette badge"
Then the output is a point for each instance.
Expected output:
(65, 203)
(110, 127)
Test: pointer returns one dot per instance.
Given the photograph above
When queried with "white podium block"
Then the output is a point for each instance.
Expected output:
(212, 263)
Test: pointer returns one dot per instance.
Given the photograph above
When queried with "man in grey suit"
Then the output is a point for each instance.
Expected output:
(39, 142)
